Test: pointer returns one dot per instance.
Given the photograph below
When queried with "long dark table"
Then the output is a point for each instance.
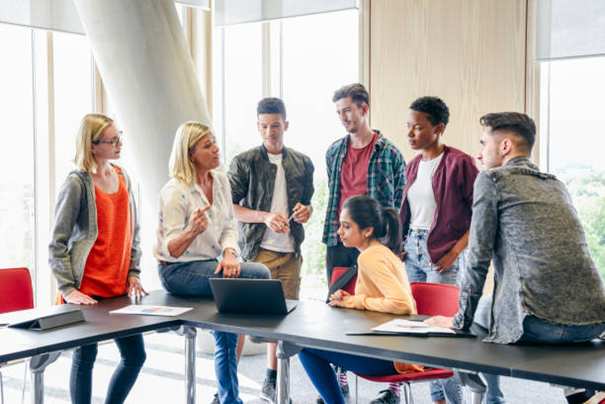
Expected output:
(314, 324)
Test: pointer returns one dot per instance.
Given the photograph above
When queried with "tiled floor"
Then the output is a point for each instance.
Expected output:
(161, 380)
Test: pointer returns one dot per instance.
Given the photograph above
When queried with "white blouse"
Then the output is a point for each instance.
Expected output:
(178, 200)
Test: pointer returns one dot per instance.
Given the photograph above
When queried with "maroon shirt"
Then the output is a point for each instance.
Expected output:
(453, 182)
(354, 172)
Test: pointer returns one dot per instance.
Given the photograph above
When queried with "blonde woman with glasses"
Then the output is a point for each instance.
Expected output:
(94, 251)
(197, 237)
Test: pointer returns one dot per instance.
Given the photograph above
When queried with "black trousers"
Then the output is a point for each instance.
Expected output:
(340, 256)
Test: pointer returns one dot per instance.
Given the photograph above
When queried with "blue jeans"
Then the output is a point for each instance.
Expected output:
(132, 350)
(317, 365)
(419, 269)
(193, 278)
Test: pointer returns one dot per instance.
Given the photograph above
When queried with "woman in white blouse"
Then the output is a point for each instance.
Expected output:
(197, 236)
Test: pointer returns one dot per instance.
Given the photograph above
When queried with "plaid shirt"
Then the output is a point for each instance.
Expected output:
(386, 179)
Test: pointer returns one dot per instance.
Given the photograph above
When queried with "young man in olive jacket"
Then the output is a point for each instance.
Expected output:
(272, 186)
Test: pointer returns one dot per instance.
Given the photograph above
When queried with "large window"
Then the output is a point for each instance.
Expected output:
(572, 148)
(303, 60)
(47, 86)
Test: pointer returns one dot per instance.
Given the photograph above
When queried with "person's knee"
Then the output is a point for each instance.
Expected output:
(86, 354)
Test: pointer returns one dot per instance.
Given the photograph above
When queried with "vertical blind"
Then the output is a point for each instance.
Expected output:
(570, 29)
(229, 12)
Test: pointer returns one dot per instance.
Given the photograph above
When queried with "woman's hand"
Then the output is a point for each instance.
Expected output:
(135, 288)
(339, 298)
(229, 265)
(77, 297)
(198, 221)
(277, 222)
(445, 262)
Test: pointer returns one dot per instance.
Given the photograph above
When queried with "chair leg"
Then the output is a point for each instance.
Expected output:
(406, 392)
(1, 388)
(26, 365)
(356, 388)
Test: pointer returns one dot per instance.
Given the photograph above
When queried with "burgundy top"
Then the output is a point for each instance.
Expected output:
(453, 182)
(354, 173)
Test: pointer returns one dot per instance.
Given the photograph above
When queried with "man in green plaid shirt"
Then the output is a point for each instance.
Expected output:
(363, 162)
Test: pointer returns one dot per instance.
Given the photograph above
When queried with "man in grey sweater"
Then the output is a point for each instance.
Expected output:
(546, 286)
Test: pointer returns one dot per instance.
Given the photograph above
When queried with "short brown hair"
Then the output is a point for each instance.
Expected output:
(358, 93)
(521, 125)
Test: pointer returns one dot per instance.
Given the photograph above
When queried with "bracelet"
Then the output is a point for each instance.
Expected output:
(231, 250)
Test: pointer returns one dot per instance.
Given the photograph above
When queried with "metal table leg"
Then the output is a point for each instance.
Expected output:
(37, 365)
(284, 351)
(474, 384)
(189, 333)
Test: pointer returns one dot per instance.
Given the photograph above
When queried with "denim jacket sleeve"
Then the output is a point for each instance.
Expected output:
(482, 239)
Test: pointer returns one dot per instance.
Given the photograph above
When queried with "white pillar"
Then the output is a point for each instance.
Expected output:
(142, 55)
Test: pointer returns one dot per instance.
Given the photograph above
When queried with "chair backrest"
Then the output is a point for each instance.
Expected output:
(16, 292)
(337, 272)
(435, 299)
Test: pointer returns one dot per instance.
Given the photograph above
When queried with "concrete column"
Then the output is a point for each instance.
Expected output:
(142, 54)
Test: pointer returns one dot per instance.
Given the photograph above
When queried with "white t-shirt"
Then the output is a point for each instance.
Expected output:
(421, 197)
(279, 242)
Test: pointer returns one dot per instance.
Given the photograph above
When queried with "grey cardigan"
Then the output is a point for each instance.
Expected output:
(75, 231)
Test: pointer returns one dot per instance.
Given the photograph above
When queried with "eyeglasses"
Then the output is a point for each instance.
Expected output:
(113, 142)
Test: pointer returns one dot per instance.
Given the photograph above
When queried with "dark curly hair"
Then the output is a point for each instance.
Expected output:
(519, 124)
(271, 105)
(434, 107)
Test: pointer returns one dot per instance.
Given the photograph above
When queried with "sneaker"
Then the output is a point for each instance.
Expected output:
(389, 397)
(215, 399)
(268, 392)
(343, 389)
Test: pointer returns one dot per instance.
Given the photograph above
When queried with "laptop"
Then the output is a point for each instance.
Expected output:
(253, 296)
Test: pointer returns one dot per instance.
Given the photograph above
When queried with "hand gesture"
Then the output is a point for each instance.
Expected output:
(339, 298)
(198, 221)
(277, 222)
(302, 213)
(440, 321)
(445, 262)
(135, 288)
(77, 297)
(229, 265)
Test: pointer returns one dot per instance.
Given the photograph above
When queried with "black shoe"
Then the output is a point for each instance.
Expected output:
(389, 397)
(215, 399)
(343, 389)
(268, 393)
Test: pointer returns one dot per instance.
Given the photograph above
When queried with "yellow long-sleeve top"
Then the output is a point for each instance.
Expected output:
(382, 283)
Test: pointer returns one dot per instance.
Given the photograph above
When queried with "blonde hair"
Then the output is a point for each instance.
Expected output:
(187, 135)
(91, 128)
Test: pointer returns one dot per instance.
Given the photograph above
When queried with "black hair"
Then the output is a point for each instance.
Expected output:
(519, 124)
(367, 212)
(358, 93)
(436, 110)
(271, 105)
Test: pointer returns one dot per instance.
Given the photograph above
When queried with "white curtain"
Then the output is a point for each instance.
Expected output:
(228, 12)
(570, 29)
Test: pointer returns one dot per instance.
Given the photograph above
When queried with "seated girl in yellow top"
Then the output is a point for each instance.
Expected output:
(382, 285)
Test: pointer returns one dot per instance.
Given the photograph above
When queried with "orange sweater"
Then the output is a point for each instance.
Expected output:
(108, 263)
(382, 285)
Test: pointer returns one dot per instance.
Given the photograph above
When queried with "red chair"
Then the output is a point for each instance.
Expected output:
(337, 272)
(432, 299)
(16, 293)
